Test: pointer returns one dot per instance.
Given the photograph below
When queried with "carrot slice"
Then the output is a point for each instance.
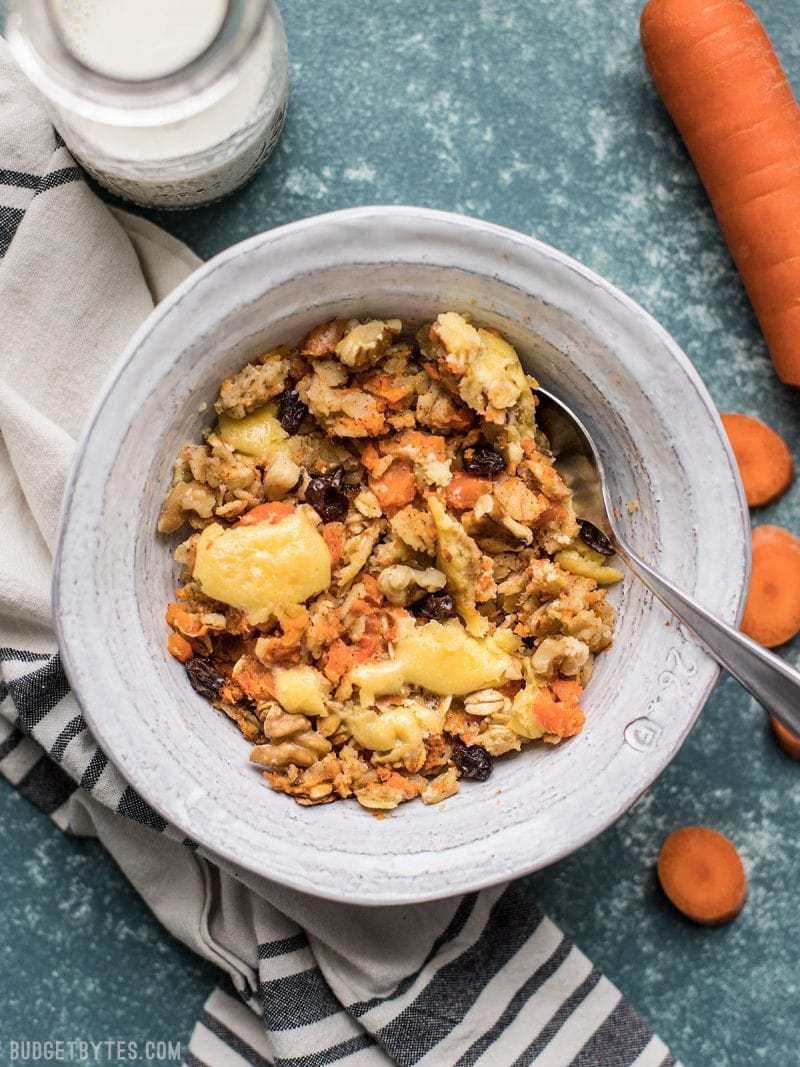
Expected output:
(763, 457)
(772, 611)
(700, 871)
(789, 741)
(724, 86)
(465, 490)
(272, 513)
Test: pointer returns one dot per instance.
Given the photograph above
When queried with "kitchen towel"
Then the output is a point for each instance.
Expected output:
(481, 979)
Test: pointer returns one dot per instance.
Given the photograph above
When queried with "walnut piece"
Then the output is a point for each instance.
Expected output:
(302, 750)
(183, 498)
(563, 654)
(401, 585)
(367, 342)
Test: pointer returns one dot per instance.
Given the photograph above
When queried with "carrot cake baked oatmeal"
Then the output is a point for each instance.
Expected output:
(385, 586)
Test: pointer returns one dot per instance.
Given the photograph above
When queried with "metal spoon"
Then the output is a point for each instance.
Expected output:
(773, 683)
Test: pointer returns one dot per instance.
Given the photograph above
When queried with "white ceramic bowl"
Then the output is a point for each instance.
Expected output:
(583, 339)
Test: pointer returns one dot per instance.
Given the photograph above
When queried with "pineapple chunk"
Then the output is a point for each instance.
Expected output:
(397, 731)
(301, 690)
(459, 559)
(385, 730)
(523, 718)
(258, 434)
(443, 658)
(439, 657)
(581, 560)
(378, 679)
(263, 567)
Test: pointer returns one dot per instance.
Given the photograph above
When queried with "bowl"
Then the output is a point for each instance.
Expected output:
(672, 475)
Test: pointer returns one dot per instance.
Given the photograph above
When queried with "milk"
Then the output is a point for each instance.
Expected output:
(137, 39)
(223, 131)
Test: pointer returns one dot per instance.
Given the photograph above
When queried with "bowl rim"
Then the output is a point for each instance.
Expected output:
(161, 310)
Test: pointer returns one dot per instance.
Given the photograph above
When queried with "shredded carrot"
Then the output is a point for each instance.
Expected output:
(557, 710)
(338, 661)
(341, 657)
(789, 741)
(370, 583)
(180, 619)
(465, 490)
(386, 387)
(724, 86)
(409, 787)
(362, 606)
(254, 679)
(369, 645)
(294, 623)
(415, 442)
(179, 647)
(370, 425)
(394, 617)
(370, 457)
(772, 611)
(763, 457)
(333, 535)
(700, 871)
(567, 690)
(396, 487)
(271, 513)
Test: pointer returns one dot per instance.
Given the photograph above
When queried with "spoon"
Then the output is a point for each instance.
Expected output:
(773, 683)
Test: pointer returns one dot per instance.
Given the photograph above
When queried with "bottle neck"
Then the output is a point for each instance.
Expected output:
(44, 43)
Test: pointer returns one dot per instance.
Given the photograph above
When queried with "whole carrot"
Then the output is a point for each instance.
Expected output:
(718, 74)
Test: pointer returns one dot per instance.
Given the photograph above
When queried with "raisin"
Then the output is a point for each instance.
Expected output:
(291, 411)
(436, 606)
(483, 459)
(472, 760)
(595, 538)
(327, 497)
(204, 678)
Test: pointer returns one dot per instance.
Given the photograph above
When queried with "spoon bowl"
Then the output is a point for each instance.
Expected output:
(771, 681)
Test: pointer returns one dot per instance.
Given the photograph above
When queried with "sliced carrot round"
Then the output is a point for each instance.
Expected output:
(763, 457)
(702, 874)
(789, 741)
(772, 611)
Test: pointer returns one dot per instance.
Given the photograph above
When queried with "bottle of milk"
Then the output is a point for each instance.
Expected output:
(168, 103)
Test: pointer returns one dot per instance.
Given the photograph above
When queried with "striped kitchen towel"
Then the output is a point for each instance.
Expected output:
(482, 979)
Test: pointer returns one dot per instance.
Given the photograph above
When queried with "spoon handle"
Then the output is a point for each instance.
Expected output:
(773, 683)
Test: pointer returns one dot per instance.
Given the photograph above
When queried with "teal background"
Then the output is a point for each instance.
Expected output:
(537, 114)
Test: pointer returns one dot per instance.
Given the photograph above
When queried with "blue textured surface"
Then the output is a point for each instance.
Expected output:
(536, 114)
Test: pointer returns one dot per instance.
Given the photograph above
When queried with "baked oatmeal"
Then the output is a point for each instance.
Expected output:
(386, 587)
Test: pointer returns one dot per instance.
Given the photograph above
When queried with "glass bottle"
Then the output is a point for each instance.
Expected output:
(168, 103)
